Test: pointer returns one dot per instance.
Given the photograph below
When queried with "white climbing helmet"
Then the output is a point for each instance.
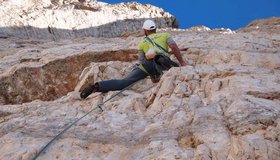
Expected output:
(149, 25)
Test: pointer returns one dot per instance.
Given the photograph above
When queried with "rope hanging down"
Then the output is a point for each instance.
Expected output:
(99, 106)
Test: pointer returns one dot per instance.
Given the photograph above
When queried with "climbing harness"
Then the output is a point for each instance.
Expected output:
(98, 106)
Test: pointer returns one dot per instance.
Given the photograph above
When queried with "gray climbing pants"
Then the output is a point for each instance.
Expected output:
(153, 68)
(113, 85)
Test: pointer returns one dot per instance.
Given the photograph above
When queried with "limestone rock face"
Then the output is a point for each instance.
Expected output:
(225, 104)
(60, 19)
(270, 25)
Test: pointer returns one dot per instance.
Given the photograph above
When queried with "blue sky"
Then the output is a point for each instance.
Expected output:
(231, 14)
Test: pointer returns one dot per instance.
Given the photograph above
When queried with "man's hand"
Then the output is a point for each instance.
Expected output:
(183, 63)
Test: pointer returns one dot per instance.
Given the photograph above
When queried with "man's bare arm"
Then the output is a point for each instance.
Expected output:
(141, 56)
(176, 51)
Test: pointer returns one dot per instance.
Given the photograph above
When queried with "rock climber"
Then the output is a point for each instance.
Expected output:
(153, 59)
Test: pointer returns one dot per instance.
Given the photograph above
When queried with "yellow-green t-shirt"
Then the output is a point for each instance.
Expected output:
(159, 38)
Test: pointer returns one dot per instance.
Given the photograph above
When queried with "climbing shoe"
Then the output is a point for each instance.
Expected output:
(155, 79)
(88, 90)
